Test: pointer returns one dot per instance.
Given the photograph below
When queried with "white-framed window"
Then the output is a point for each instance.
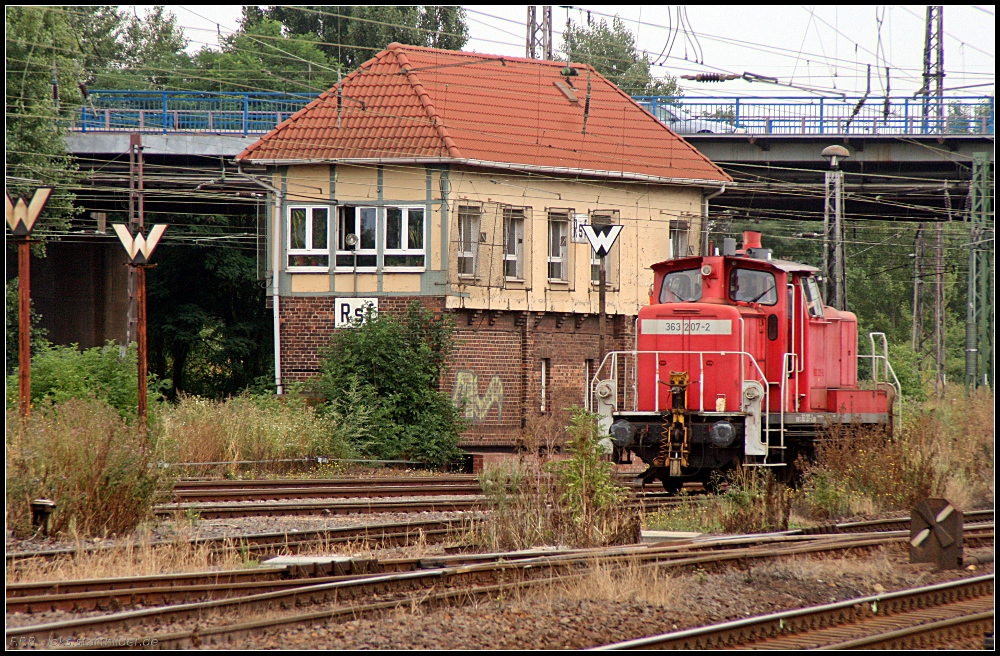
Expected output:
(679, 231)
(360, 222)
(308, 237)
(404, 238)
(513, 243)
(469, 220)
(558, 257)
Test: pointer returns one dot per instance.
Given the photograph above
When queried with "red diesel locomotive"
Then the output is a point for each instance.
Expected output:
(736, 362)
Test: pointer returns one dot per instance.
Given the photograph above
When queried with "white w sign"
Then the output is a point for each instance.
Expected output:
(602, 237)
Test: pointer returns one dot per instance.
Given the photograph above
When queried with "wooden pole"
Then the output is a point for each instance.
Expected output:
(602, 309)
(24, 323)
(140, 333)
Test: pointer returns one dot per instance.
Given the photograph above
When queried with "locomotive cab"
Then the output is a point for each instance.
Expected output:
(736, 362)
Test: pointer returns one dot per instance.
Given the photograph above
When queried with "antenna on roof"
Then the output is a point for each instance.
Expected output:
(340, 97)
(586, 105)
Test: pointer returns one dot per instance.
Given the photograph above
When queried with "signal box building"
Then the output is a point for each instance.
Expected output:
(463, 180)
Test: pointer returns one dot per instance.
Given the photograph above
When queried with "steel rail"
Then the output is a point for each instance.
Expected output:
(356, 588)
(227, 484)
(775, 625)
(273, 493)
(916, 636)
(262, 543)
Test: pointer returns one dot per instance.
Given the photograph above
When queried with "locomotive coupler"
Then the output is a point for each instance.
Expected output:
(674, 440)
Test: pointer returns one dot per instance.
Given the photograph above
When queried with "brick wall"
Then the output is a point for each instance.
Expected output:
(495, 367)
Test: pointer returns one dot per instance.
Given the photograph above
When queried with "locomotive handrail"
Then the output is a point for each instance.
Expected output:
(875, 358)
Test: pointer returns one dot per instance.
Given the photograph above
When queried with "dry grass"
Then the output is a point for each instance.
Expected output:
(82, 455)
(140, 556)
(754, 502)
(573, 501)
(615, 582)
(943, 449)
(241, 428)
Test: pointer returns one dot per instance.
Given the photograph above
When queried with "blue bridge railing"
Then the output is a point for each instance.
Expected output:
(824, 115)
(256, 113)
(188, 111)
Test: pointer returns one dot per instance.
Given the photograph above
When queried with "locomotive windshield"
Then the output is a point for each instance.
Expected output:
(681, 287)
(752, 286)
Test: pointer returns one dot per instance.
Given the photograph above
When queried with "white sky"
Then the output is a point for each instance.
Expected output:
(818, 47)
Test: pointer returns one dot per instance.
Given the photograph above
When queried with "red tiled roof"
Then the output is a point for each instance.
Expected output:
(413, 103)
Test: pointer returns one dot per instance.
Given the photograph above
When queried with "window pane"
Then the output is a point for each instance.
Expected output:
(555, 270)
(554, 249)
(510, 240)
(367, 229)
(510, 268)
(366, 261)
(393, 227)
(752, 286)
(345, 227)
(309, 260)
(466, 265)
(298, 220)
(416, 228)
(404, 260)
(595, 273)
(681, 286)
(319, 228)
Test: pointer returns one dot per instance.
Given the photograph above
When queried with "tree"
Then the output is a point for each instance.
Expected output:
(353, 35)
(611, 51)
(42, 89)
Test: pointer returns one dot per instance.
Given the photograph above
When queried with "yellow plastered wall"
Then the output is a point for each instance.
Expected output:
(645, 211)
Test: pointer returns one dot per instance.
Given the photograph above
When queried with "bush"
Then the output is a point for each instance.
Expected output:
(60, 373)
(82, 455)
(248, 428)
(392, 367)
(12, 314)
(572, 502)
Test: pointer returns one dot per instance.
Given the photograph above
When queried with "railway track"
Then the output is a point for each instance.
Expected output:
(944, 615)
(258, 544)
(418, 581)
(646, 501)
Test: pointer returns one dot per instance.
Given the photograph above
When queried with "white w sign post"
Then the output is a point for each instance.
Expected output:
(602, 237)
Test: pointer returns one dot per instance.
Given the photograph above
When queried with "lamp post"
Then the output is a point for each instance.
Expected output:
(21, 218)
(140, 250)
(834, 266)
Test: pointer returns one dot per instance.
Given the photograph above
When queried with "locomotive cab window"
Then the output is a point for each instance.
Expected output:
(814, 301)
(752, 286)
(681, 287)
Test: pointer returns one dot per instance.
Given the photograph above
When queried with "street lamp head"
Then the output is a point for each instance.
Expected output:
(351, 240)
(835, 154)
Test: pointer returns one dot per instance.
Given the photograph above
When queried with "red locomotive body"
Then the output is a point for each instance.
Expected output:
(737, 360)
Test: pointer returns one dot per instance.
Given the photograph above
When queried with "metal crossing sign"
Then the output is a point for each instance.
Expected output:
(602, 237)
(936, 532)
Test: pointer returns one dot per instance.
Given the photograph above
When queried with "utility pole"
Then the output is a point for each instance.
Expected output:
(136, 223)
(933, 88)
(834, 265)
(917, 334)
(979, 319)
(539, 41)
(21, 217)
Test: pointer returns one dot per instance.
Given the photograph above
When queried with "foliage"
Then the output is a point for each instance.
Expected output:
(12, 315)
(209, 332)
(566, 502)
(611, 51)
(393, 367)
(60, 373)
(40, 48)
(586, 479)
(353, 35)
(80, 454)
(753, 501)
(249, 428)
(945, 448)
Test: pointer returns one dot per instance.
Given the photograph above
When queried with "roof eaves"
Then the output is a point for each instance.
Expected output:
(505, 166)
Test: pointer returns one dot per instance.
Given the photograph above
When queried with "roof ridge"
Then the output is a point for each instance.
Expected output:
(425, 100)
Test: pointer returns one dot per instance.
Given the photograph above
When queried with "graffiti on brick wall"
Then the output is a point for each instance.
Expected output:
(477, 405)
